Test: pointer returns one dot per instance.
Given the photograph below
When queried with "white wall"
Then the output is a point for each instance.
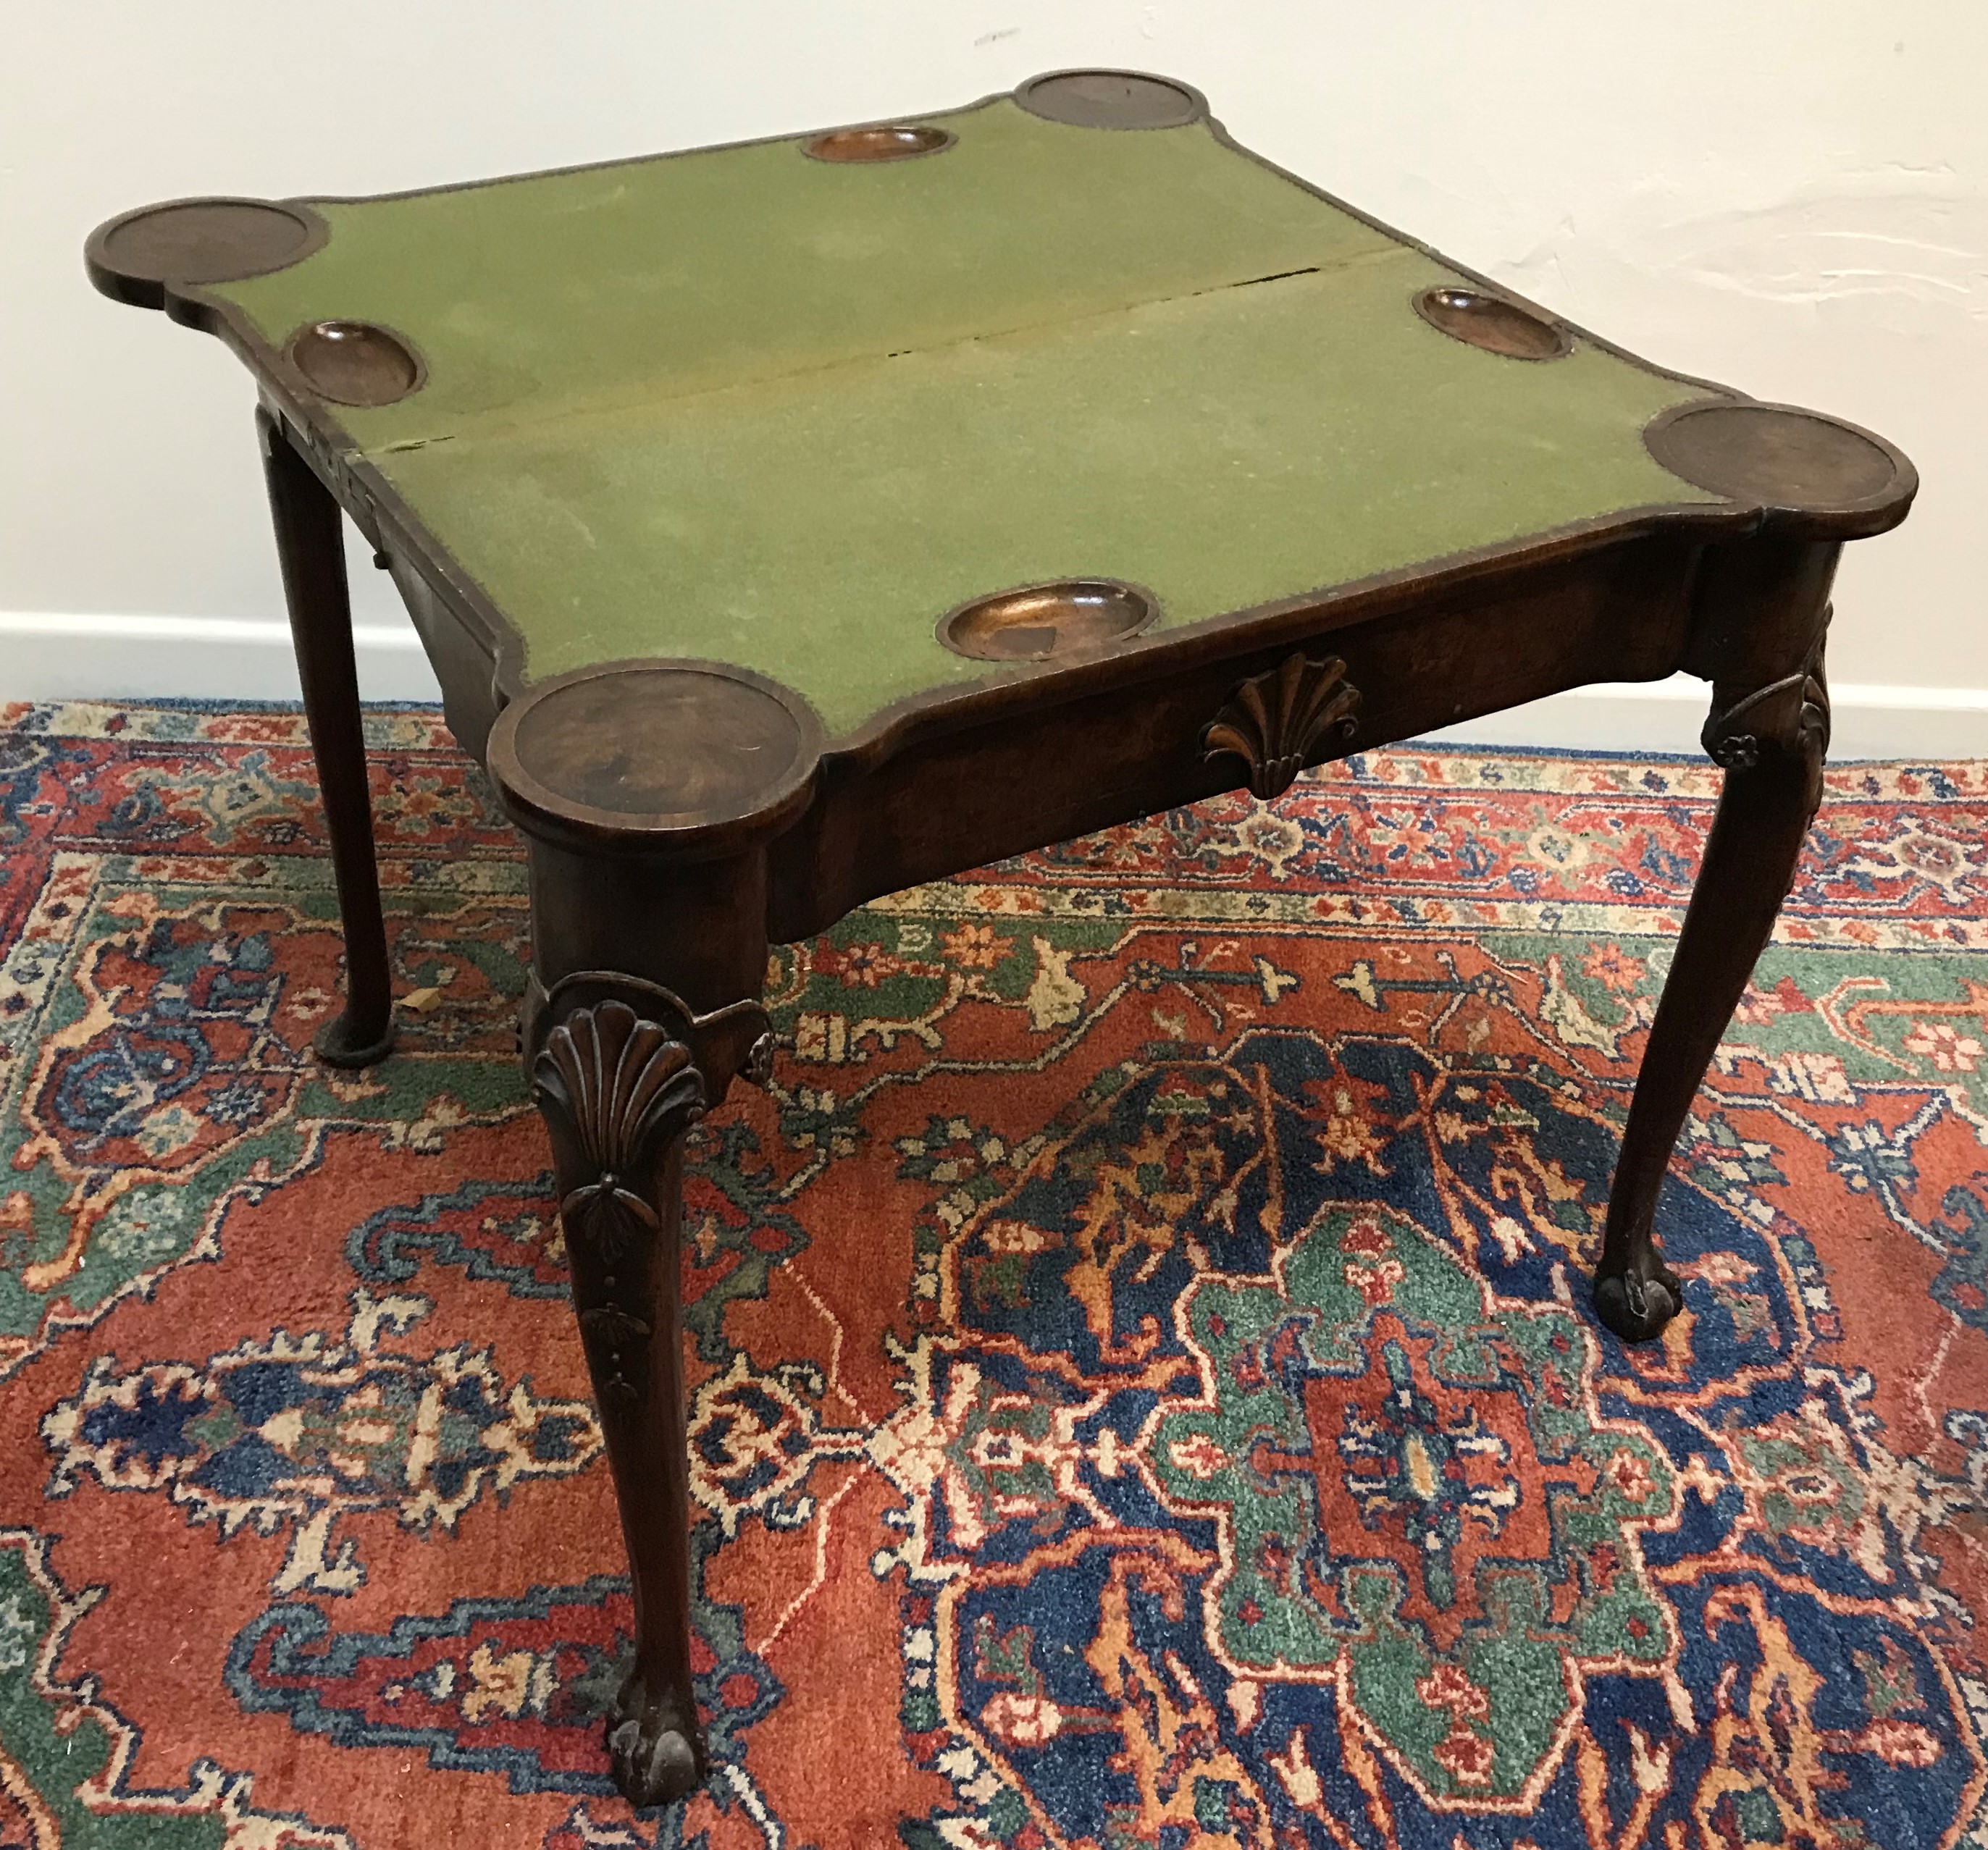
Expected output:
(1791, 195)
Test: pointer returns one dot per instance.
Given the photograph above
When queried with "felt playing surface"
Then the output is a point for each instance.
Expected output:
(750, 406)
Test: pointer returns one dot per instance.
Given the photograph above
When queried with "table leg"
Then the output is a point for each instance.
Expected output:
(310, 545)
(1771, 740)
(622, 1069)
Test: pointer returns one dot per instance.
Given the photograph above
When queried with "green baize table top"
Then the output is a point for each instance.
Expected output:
(745, 405)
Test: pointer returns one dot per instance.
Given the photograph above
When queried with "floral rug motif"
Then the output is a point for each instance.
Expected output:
(1143, 1390)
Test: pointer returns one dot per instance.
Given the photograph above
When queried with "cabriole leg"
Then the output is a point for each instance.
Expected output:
(310, 543)
(647, 792)
(622, 1070)
(1771, 741)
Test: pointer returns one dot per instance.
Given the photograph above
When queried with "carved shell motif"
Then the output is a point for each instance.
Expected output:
(614, 1089)
(1277, 721)
(1790, 716)
(1793, 712)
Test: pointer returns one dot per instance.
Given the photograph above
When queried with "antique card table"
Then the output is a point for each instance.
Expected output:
(793, 521)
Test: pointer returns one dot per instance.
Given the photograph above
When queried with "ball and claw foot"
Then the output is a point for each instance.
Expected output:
(344, 1042)
(655, 1759)
(1638, 1301)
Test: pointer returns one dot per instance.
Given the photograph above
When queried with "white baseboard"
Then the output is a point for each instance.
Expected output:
(61, 656)
(1867, 720)
(58, 655)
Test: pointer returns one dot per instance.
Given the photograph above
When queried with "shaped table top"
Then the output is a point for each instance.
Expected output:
(787, 405)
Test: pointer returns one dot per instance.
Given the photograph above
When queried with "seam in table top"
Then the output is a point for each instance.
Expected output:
(495, 426)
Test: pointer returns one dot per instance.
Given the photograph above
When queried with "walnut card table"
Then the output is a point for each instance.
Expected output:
(790, 522)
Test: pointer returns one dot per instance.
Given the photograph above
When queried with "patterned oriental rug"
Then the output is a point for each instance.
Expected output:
(1145, 1390)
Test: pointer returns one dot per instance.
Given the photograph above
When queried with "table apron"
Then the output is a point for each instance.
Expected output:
(948, 801)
